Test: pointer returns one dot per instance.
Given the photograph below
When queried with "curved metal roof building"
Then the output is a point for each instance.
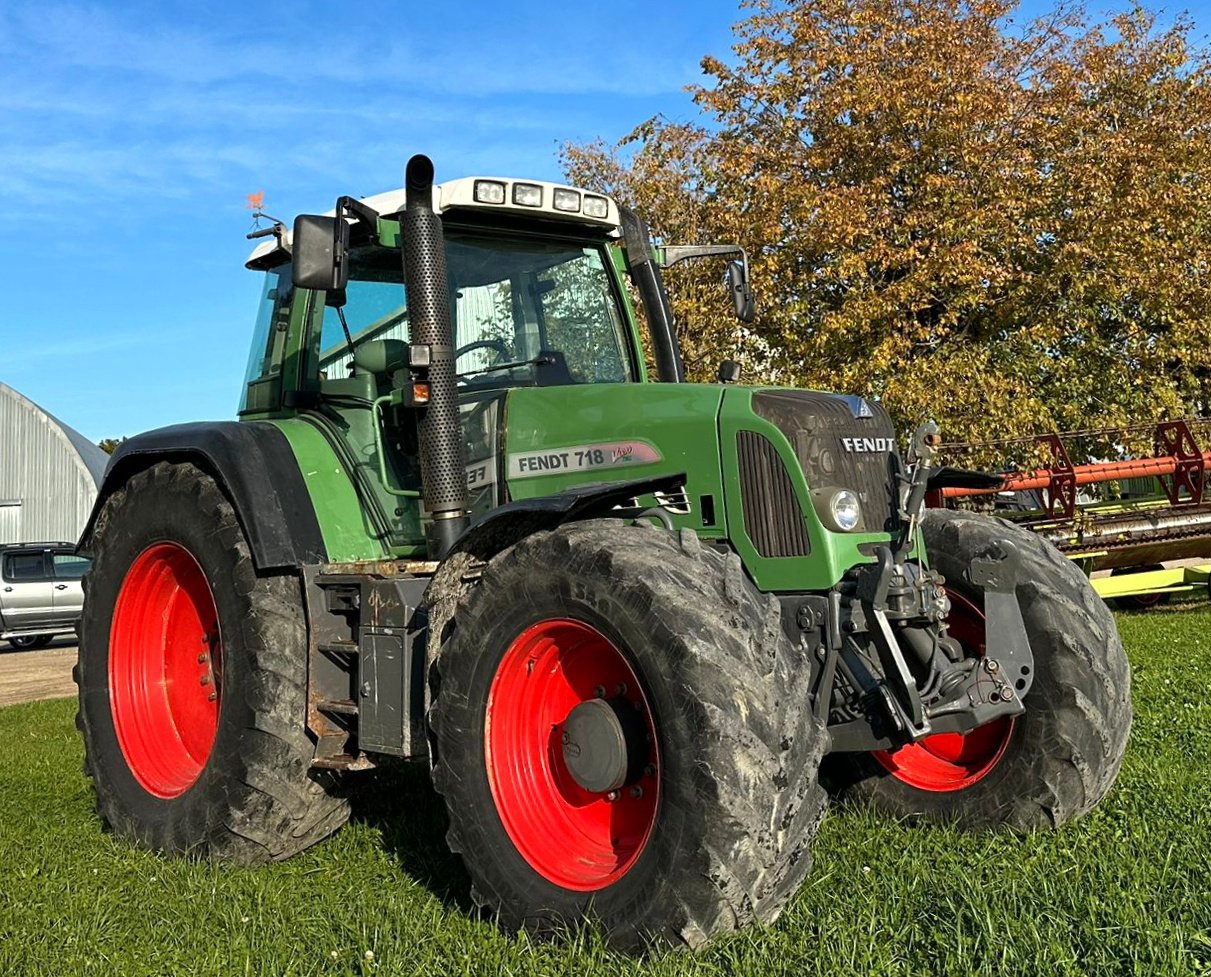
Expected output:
(49, 473)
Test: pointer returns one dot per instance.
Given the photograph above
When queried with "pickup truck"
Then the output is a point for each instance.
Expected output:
(40, 593)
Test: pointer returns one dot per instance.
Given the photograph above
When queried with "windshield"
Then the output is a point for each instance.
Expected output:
(525, 311)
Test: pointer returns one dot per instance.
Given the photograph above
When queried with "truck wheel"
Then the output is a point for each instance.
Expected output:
(1059, 758)
(623, 735)
(30, 642)
(192, 679)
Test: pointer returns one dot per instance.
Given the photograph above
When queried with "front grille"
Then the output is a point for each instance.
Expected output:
(815, 423)
(772, 517)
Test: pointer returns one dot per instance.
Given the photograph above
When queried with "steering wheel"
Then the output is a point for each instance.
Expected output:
(501, 347)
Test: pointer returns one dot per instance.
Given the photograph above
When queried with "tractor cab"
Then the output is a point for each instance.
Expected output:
(538, 285)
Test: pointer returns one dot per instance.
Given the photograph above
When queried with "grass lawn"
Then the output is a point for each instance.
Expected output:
(1127, 890)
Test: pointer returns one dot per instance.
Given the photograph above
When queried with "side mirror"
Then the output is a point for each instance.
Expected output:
(319, 249)
(742, 293)
(729, 372)
(737, 271)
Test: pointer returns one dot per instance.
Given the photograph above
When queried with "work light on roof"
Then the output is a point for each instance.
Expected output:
(489, 192)
(566, 200)
(596, 206)
(527, 195)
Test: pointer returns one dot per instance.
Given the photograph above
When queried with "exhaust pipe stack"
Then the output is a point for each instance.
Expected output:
(443, 470)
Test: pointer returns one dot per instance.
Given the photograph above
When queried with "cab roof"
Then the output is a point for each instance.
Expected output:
(467, 194)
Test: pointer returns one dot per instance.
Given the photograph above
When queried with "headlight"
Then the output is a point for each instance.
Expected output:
(838, 508)
(845, 510)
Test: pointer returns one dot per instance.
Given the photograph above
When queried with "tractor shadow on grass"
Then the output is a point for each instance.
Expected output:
(399, 801)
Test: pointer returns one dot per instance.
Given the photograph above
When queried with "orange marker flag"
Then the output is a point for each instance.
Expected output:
(256, 200)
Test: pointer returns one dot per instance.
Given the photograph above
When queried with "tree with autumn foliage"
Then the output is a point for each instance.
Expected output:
(1000, 224)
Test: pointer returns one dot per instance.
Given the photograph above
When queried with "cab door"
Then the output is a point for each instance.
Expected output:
(27, 589)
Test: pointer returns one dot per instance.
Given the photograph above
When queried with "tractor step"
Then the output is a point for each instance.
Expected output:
(365, 681)
(343, 761)
(338, 647)
(342, 707)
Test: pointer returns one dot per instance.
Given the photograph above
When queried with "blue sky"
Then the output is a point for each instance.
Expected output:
(131, 132)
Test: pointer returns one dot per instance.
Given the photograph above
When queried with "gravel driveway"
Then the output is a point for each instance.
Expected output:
(43, 674)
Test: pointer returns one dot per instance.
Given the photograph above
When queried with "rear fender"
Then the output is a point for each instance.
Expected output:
(254, 466)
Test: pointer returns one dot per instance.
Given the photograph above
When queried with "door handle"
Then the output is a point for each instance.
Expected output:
(60, 586)
(8, 590)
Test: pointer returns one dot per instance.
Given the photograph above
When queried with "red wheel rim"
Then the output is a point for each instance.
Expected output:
(576, 839)
(948, 762)
(165, 669)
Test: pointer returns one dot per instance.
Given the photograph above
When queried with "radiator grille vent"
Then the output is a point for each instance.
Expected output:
(772, 517)
(818, 426)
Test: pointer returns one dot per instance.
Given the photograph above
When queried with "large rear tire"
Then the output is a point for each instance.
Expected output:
(192, 677)
(712, 830)
(1052, 763)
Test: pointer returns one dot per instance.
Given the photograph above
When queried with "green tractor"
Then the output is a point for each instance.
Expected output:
(622, 618)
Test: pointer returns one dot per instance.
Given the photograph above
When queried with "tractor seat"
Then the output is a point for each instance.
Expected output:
(380, 357)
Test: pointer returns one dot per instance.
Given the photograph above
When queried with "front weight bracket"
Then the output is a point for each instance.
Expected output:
(1007, 654)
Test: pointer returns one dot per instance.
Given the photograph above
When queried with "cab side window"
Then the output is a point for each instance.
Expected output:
(262, 379)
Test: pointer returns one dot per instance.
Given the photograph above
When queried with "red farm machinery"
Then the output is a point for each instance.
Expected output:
(1138, 523)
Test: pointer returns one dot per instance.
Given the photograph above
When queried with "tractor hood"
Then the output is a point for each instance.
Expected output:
(562, 436)
(760, 464)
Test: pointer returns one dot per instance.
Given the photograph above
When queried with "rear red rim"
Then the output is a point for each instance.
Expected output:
(571, 837)
(165, 669)
(948, 762)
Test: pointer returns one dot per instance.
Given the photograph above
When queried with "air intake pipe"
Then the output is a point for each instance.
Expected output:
(443, 471)
(645, 274)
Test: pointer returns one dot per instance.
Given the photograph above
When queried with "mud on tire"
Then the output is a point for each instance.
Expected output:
(1066, 750)
(739, 746)
(255, 798)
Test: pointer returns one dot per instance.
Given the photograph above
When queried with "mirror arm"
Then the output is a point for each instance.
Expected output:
(362, 216)
(364, 219)
(674, 253)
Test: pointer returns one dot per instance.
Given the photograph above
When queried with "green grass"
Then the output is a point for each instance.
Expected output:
(1126, 890)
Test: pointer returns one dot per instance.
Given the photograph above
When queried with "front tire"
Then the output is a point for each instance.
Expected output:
(710, 828)
(1058, 759)
(192, 678)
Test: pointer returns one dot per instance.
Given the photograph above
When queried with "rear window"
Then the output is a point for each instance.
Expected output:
(24, 566)
(68, 566)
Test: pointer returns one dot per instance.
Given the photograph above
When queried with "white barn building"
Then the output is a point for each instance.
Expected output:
(49, 474)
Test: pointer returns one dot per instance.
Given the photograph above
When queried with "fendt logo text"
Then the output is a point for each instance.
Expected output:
(868, 445)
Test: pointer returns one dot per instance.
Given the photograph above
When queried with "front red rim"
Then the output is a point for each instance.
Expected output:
(165, 676)
(948, 762)
(573, 838)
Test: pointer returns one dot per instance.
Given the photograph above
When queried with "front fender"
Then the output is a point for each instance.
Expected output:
(506, 524)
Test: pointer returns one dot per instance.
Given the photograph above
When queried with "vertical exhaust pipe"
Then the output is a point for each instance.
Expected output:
(443, 471)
